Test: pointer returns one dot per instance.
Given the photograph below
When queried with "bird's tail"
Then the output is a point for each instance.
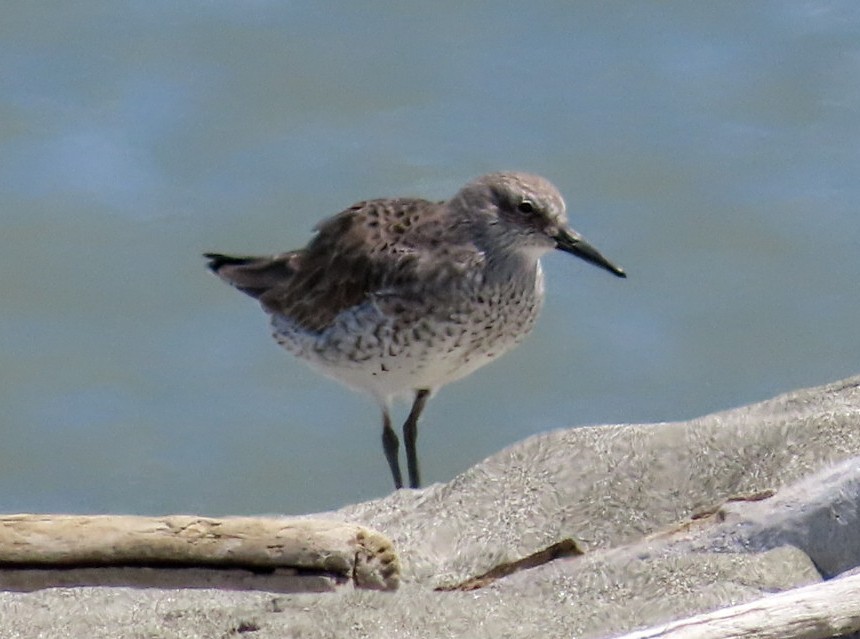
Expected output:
(253, 275)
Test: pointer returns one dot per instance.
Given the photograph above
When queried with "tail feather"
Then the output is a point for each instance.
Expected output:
(253, 276)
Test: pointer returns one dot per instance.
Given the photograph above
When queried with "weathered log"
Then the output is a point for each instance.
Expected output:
(298, 554)
(820, 611)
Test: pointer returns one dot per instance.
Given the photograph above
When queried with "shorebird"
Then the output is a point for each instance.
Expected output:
(402, 296)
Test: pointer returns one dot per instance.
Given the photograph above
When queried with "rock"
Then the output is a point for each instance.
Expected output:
(608, 486)
(819, 515)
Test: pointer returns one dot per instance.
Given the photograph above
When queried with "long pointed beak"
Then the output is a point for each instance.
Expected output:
(572, 242)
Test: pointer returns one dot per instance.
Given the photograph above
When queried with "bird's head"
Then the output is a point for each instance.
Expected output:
(525, 213)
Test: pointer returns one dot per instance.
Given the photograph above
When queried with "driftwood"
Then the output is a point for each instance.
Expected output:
(820, 611)
(39, 551)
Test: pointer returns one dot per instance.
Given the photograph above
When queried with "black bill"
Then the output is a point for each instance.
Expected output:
(573, 243)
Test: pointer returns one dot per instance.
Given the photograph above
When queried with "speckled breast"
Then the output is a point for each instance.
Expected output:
(387, 349)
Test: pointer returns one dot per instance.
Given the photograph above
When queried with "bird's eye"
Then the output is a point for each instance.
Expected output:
(526, 207)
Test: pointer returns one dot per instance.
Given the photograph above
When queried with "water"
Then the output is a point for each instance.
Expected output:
(709, 148)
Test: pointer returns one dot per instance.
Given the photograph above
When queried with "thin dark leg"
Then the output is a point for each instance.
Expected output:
(410, 435)
(390, 444)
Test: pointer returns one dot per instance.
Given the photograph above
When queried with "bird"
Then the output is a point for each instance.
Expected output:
(400, 296)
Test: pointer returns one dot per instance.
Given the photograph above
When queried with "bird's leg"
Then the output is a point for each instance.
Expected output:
(390, 444)
(410, 435)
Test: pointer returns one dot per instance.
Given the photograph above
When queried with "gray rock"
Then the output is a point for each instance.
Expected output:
(608, 486)
(818, 514)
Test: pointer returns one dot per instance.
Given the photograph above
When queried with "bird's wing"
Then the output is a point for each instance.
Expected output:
(386, 250)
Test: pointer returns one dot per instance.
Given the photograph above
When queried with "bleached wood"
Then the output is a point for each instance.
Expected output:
(302, 546)
(820, 611)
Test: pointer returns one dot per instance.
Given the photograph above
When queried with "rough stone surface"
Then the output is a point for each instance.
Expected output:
(625, 493)
(819, 514)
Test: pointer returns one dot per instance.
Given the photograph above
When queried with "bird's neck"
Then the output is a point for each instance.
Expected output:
(506, 265)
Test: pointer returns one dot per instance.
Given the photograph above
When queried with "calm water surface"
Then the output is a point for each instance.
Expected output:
(709, 148)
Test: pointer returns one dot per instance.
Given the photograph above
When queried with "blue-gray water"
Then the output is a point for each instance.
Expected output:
(711, 148)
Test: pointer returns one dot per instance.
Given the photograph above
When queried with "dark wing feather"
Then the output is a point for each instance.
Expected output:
(391, 250)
